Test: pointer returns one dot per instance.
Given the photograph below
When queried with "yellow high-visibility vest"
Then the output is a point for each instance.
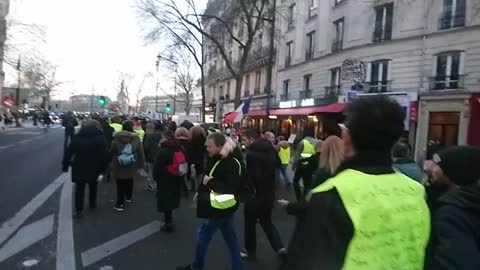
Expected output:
(140, 132)
(223, 201)
(284, 155)
(390, 217)
(308, 149)
(116, 127)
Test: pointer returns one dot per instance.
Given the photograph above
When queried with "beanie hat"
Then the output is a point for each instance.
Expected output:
(460, 164)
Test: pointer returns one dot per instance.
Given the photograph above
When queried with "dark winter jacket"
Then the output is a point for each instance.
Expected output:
(120, 140)
(262, 162)
(321, 238)
(151, 145)
(108, 133)
(168, 185)
(409, 168)
(69, 122)
(198, 153)
(455, 237)
(86, 154)
(226, 180)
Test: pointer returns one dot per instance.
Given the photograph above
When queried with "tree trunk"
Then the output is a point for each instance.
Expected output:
(203, 95)
(188, 104)
(238, 89)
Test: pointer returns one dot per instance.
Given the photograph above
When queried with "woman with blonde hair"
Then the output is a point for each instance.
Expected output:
(331, 157)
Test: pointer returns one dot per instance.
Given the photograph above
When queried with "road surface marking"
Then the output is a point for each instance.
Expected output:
(4, 147)
(25, 141)
(108, 248)
(11, 225)
(65, 244)
(27, 236)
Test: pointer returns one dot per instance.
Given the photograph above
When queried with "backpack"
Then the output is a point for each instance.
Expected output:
(126, 157)
(179, 165)
(246, 190)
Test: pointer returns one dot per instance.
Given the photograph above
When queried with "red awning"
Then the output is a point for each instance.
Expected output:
(332, 108)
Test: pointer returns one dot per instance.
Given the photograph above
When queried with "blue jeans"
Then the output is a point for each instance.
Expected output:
(284, 175)
(204, 235)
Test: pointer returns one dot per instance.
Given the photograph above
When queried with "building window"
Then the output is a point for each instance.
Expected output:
(312, 6)
(334, 88)
(291, 15)
(453, 14)
(258, 79)
(383, 23)
(284, 96)
(310, 49)
(288, 54)
(338, 39)
(307, 91)
(227, 95)
(247, 85)
(448, 71)
(379, 76)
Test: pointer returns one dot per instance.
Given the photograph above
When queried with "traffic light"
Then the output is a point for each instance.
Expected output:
(168, 109)
(102, 101)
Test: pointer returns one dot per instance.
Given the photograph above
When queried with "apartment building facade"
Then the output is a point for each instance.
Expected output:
(423, 53)
(4, 8)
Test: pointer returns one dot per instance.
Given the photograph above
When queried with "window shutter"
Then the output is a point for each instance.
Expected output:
(368, 77)
(434, 66)
(461, 65)
(389, 22)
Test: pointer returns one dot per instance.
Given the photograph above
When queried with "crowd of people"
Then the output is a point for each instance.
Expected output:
(361, 201)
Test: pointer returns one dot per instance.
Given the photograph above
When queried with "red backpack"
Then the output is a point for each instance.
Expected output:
(179, 165)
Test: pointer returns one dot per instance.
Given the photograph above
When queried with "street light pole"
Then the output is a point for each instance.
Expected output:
(17, 94)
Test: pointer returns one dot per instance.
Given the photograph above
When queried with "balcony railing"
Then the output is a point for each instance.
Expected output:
(288, 61)
(447, 82)
(306, 94)
(246, 93)
(448, 21)
(308, 55)
(378, 86)
(381, 33)
(258, 54)
(333, 90)
(284, 97)
(337, 45)
(256, 91)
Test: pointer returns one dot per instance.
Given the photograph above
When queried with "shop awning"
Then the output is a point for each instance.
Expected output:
(257, 113)
(331, 108)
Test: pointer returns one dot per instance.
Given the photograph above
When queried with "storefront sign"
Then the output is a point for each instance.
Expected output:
(308, 102)
(293, 103)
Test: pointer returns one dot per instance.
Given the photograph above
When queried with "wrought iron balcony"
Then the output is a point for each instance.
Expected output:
(333, 90)
(379, 86)
(448, 21)
(447, 82)
(284, 97)
(337, 45)
(306, 94)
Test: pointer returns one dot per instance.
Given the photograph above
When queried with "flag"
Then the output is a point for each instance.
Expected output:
(237, 115)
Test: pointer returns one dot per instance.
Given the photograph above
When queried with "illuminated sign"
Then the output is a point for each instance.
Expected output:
(293, 103)
(308, 102)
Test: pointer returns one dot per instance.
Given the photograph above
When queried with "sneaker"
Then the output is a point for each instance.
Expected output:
(245, 255)
(119, 208)
(188, 267)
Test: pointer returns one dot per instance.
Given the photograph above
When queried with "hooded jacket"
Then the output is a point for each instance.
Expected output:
(262, 163)
(455, 238)
(87, 154)
(226, 180)
(120, 140)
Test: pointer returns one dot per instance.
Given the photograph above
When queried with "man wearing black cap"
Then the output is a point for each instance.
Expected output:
(455, 238)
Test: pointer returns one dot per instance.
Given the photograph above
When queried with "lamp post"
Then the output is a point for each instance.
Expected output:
(159, 57)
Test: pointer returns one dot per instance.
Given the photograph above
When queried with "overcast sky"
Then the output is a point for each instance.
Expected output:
(91, 41)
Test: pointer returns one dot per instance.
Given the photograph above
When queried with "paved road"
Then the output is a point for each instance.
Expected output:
(38, 230)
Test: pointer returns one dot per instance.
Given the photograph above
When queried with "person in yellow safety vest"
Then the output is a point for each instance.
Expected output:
(367, 216)
(140, 132)
(284, 153)
(216, 202)
(116, 124)
(301, 163)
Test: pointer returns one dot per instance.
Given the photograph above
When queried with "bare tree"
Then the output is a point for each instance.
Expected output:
(140, 89)
(22, 39)
(161, 22)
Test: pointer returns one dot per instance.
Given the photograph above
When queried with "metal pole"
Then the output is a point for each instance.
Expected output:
(17, 94)
(270, 60)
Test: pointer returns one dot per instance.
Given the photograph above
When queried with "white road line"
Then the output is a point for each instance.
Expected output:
(106, 249)
(25, 141)
(4, 147)
(27, 236)
(11, 225)
(65, 244)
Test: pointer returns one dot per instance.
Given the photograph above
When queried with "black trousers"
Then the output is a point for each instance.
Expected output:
(80, 194)
(260, 211)
(306, 175)
(68, 137)
(124, 190)
(168, 217)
